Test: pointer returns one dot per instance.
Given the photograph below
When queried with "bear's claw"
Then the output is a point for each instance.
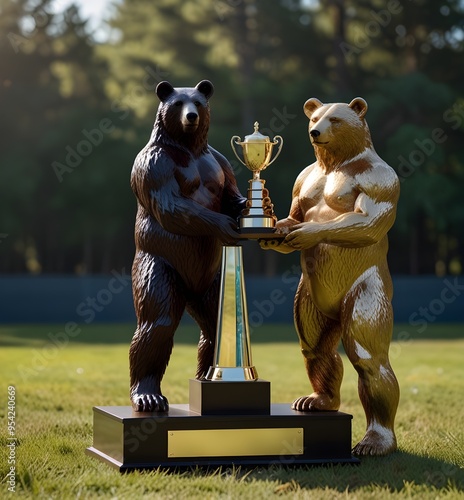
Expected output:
(150, 403)
(316, 402)
(376, 443)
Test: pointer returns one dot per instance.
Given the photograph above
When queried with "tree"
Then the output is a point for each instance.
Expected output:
(76, 113)
(54, 173)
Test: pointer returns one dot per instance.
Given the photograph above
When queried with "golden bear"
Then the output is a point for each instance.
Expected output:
(342, 208)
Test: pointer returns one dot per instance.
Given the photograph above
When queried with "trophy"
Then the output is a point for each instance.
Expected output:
(232, 357)
(229, 418)
(258, 216)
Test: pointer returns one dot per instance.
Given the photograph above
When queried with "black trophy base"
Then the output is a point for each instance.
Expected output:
(182, 438)
(230, 398)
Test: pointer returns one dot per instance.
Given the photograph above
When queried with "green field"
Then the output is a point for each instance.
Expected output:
(58, 382)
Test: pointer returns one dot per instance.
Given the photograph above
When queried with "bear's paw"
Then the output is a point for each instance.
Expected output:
(150, 403)
(316, 402)
(376, 442)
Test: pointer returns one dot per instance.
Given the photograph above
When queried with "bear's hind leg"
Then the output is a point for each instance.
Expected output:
(159, 303)
(319, 338)
(367, 319)
(204, 311)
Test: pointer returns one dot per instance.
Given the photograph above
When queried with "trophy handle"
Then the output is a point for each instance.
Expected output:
(236, 140)
(276, 140)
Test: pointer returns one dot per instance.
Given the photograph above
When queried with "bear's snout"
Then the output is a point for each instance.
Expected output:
(314, 133)
(191, 117)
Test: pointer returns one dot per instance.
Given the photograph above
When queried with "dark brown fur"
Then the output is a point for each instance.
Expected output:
(188, 203)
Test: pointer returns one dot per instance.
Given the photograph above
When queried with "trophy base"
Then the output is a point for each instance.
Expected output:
(232, 373)
(207, 397)
(258, 228)
(181, 438)
(259, 222)
(260, 234)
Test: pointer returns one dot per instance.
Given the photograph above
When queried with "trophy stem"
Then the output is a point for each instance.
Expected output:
(255, 217)
(232, 354)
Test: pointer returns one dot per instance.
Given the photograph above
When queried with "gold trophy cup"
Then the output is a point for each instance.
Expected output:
(258, 217)
(232, 357)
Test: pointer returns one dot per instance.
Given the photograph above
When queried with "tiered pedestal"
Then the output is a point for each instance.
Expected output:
(214, 430)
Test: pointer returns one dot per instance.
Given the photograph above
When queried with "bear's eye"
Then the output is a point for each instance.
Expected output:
(314, 119)
(334, 120)
(197, 104)
(178, 103)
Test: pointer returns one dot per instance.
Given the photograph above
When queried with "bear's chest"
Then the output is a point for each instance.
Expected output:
(202, 181)
(324, 196)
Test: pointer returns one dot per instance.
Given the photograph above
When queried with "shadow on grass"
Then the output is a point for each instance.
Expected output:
(391, 472)
(187, 333)
(394, 472)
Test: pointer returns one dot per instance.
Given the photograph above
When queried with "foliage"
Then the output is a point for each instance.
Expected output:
(75, 113)
(58, 384)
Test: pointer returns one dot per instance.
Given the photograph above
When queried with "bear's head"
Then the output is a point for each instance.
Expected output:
(183, 115)
(338, 131)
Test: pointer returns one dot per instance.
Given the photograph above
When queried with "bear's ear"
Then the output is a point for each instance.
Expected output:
(311, 105)
(164, 90)
(206, 88)
(359, 106)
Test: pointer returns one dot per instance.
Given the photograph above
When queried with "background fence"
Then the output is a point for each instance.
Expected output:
(108, 298)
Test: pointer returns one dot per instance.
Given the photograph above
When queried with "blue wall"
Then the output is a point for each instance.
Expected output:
(52, 299)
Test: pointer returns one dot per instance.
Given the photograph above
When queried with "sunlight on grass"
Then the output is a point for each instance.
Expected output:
(56, 388)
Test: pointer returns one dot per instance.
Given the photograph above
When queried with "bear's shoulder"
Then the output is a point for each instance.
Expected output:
(159, 155)
(151, 165)
(365, 161)
(371, 171)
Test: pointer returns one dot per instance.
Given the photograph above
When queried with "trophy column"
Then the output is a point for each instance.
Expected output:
(232, 355)
(232, 385)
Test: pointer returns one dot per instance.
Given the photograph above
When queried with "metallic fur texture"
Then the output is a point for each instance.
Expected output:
(187, 208)
(342, 208)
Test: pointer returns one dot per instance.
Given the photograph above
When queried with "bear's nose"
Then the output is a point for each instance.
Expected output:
(314, 133)
(191, 117)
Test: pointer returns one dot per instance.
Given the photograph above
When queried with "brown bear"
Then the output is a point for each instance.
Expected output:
(342, 208)
(188, 203)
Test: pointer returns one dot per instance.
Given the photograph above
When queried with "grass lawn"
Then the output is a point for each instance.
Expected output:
(56, 388)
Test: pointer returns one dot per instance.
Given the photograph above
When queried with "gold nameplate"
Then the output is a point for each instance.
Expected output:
(235, 442)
